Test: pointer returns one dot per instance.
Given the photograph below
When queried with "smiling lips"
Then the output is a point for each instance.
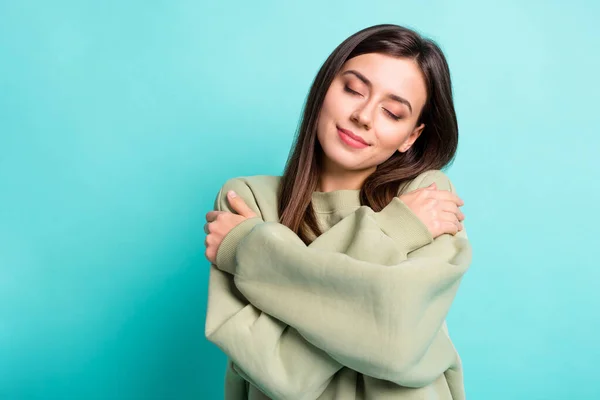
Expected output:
(351, 139)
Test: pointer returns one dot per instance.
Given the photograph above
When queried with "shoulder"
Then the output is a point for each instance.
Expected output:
(428, 177)
(442, 182)
(251, 183)
(257, 191)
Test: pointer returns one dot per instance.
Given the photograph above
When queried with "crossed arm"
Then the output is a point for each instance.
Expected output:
(292, 315)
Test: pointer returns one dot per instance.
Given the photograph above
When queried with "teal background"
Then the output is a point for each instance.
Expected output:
(119, 121)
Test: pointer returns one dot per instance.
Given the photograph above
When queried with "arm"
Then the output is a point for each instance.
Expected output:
(375, 298)
(395, 224)
(266, 352)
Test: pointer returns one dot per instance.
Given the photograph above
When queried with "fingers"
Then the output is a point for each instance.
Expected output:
(448, 196)
(441, 194)
(239, 206)
(210, 255)
(451, 207)
(212, 215)
(210, 252)
(451, 225)
(449, 202)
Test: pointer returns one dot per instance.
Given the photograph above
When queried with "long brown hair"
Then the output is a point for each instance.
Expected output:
(434, 149)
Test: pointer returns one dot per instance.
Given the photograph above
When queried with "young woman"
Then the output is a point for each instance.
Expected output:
(334, 280)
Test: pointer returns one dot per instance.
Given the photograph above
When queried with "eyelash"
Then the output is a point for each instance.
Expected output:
(391, 115)
(347, 89)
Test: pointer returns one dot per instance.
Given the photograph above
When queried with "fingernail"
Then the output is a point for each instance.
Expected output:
(231, 194)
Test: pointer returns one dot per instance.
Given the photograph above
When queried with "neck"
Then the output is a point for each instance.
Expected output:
(339, 179)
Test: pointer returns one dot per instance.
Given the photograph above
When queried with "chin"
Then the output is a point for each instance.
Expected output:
(340, 157)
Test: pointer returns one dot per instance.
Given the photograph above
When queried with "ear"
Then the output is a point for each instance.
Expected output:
(411, 138)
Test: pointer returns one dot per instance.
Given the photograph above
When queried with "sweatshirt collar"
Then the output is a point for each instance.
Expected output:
(325, 202)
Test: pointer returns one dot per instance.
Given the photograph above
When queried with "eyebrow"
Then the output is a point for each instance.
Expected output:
(368, 83)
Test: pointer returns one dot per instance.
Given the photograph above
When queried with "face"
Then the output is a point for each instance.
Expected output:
(370, 111)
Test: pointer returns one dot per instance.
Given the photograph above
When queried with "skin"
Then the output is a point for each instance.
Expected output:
(220, 223)
(367, 110)
(384, 112)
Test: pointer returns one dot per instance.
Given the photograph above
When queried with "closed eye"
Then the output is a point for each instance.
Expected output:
(347, 89)
(393, 116)
(354, 92)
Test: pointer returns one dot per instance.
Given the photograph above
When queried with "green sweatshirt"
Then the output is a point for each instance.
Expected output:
(358, 314)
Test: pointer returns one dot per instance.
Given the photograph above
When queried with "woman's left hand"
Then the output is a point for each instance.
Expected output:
(220, 223)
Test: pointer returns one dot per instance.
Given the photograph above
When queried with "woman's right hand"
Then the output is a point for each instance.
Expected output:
(437, 209)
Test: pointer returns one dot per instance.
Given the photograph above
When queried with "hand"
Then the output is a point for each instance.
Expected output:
(220, 223)
(437, 209)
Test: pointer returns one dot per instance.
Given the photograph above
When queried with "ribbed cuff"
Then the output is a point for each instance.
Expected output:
(228, 247)
(400, 223)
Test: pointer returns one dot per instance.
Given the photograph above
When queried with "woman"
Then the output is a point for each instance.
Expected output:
(334, 280)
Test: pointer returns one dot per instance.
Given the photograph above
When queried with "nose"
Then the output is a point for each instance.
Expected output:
(362, 117)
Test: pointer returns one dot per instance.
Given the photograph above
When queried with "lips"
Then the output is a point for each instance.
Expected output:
(353, 136)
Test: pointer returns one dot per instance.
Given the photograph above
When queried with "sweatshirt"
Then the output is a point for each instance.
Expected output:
(357, 314)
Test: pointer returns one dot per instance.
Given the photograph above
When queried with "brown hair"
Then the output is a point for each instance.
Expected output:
(434, 149)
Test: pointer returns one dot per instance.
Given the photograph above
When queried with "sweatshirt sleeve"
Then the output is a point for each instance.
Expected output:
(399, 223)
(373, 308)
(265, 351)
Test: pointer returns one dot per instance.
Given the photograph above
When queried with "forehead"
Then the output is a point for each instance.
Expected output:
(400, 76)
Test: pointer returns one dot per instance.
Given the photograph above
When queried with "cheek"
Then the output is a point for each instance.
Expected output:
(334, 104)
(390, 138)
(324, 119)
(328, 116)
